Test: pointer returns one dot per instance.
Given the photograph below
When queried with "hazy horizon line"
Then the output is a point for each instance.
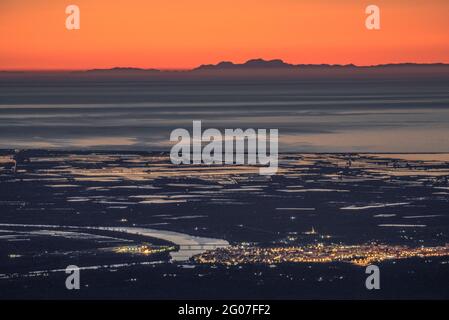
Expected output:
(217, 63)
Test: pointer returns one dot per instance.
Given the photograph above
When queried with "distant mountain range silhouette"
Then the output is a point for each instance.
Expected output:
(253, 63)
(267, 64)
(254, 69)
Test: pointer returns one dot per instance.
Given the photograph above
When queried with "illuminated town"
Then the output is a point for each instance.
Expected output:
(361, 255)
(144, 249)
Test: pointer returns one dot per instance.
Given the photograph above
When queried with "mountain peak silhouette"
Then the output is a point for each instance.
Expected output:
(252, 63)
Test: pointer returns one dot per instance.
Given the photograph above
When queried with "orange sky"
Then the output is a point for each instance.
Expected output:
(186, 33)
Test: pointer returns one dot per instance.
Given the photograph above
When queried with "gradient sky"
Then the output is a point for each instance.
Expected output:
(178, 34)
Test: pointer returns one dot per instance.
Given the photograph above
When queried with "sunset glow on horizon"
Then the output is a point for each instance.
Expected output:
(181, 34)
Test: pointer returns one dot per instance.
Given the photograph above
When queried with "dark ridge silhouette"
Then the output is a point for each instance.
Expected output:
(278, 63)
(250, 64)
(123, 70)
(253, 63)
(254, 69)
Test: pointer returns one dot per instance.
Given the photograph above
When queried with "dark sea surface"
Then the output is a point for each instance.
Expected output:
(312, 116)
